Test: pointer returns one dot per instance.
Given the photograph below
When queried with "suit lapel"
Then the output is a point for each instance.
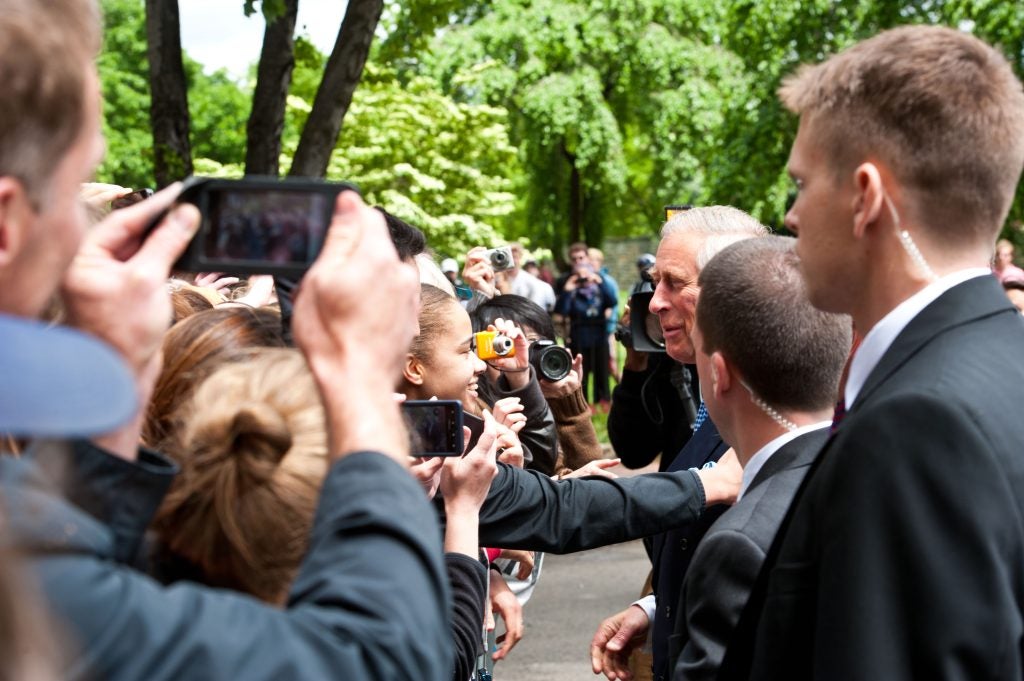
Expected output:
(972, 300)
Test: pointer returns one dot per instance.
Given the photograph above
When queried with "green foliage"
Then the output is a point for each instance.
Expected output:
(608, 91)
(443, 166)
(219, 107)
(124, 80)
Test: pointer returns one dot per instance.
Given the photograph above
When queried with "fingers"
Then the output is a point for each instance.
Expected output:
(121, 231)
(513, 617)
(169, 240)
(577, 366)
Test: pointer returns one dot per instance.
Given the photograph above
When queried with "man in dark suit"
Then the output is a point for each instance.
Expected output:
(770, 364)
(903, 554)
(688, 241)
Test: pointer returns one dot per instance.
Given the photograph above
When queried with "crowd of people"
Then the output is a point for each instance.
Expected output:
(205, 478)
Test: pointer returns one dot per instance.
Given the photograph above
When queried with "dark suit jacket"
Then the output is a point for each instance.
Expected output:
(674, 549)
(729, 558)
(903, 554)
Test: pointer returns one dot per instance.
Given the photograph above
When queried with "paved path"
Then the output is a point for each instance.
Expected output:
(575, 594)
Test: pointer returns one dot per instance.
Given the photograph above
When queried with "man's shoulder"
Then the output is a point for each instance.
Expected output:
(39, 521)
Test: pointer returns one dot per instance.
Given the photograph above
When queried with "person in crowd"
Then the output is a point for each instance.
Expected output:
(1014, 289)
(1003, 266)
(611, 315)
(577, 439)
(688, 242)
(518, 281)
(450, 269)
(899, 558)
(585, 298)
(770, 365)
(387, 611)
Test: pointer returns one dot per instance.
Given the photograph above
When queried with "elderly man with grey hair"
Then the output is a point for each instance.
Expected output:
(688, 241)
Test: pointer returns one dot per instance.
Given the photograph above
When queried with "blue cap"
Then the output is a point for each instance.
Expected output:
(57, 382)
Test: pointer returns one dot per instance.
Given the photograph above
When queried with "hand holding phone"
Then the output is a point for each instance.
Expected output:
(435, 427)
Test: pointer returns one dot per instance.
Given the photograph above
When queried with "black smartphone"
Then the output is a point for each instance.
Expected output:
(435, 427)
(258, 225)
(476, 428)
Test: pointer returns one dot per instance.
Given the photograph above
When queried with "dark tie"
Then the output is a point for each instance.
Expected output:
(840, 410)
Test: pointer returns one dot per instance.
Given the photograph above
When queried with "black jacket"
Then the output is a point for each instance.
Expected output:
(370, 601)
(902, 556)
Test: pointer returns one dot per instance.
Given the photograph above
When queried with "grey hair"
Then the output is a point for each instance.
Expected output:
(721, 226)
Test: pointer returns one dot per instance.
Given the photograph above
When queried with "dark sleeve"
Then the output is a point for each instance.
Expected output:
(370, 601)
(123, 495)
(576, 434)
(914, 535)
(563, 301)
(717, 587)
(468, 579)
(528, 510)
(539, 435)
(634, 435)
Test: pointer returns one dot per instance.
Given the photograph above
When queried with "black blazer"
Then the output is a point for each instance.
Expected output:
(729, 558)
(903, 554)
(674, 549)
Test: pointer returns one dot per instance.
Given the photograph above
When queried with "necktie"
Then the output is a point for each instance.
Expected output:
(702, 416)
(840, 410)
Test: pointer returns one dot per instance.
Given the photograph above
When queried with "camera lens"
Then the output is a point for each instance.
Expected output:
(499, 259)
(502, 345)
(552, 362)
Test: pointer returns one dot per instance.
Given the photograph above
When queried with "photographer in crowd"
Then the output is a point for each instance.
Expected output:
(371, 596)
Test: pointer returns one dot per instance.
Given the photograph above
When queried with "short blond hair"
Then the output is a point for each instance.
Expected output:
(46, 49)
(940, 108)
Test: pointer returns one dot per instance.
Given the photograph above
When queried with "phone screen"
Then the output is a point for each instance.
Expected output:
(274, 227)
(435, 427)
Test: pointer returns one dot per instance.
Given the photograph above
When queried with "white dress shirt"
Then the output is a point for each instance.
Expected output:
(881, 336)
(762, 455)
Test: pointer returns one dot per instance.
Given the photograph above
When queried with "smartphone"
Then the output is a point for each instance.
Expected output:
(435, 427)
(258, 225)
(476, 428)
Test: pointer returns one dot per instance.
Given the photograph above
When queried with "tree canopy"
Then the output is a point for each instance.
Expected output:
(546, 121)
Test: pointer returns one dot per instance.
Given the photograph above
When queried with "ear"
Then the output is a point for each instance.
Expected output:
(868, 199)
(721, 374)
(413, 370)
(15, 219)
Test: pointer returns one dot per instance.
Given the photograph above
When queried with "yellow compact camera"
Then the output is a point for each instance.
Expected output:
(493, 345)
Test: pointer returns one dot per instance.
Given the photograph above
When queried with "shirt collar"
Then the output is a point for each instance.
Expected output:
(881, 336)
(759, 459)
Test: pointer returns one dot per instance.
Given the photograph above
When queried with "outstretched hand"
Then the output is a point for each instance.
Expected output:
(615, 640)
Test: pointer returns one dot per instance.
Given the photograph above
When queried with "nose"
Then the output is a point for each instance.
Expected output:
(791, 222)
(479, 366)
(659, 301)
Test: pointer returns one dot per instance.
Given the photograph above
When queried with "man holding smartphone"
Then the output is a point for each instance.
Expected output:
(372, 597)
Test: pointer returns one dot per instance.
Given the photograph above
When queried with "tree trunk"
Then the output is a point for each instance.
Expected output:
(273, 77)
(168, 110)
(575, 199)
(341, 75)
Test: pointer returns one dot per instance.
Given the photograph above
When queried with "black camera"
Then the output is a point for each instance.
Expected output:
(260, 225)
(644, 332)
(550, 361)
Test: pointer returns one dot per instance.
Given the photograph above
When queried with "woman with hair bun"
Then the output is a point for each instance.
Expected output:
(252, 446)
(253, 452)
